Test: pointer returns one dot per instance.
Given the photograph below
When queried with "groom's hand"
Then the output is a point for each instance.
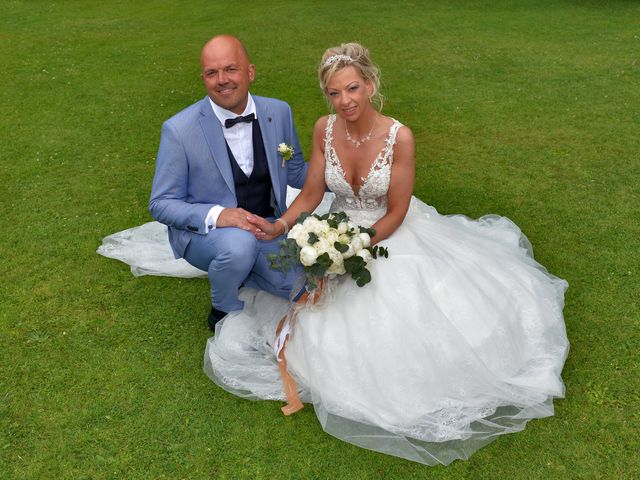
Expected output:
(236, 217)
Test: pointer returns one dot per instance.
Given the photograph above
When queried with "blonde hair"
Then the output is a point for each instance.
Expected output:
(355, 55)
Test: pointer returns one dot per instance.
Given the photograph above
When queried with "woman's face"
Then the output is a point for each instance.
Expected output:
(349, 93)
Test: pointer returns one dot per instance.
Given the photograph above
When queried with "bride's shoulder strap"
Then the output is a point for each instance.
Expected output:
(393, 131)
(391, 140)
(330, 121)
(328, 135)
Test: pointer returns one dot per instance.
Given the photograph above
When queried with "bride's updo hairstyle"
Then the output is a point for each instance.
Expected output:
(354, 55)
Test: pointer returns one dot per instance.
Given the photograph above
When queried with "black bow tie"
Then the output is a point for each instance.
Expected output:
(230, 122)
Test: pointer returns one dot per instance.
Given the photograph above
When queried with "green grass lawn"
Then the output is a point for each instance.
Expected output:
(524, 109)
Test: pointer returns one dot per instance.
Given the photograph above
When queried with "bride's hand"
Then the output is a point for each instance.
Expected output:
(265, 230)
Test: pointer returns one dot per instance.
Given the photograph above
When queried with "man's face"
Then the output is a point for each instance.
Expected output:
(227, 74)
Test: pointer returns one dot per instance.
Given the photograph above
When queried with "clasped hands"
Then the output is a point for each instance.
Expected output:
(241, 218)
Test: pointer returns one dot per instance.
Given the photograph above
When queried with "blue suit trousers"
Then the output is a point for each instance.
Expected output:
(233, 257)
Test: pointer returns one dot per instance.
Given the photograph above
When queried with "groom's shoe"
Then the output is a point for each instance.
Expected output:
(215, 316)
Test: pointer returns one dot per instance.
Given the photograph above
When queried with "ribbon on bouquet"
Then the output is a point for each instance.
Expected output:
(285, 330)
(286, 325)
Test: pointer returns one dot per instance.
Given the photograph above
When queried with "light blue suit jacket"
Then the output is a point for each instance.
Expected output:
(193, 170)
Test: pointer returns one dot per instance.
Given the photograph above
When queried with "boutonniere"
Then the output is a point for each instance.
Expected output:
(285, 152)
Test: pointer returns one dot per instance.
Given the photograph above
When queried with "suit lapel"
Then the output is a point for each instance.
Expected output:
(215, 140)
(268, 129)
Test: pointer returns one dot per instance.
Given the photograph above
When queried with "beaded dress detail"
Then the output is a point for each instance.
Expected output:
(370, 202)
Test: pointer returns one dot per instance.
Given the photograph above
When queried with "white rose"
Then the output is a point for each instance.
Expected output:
(336, 269)
(300, 235)
(343, 227)
(308, 256)
(323, 227)
(349, 253)
(356, 243)
(331, 236)
(322, 246)
(316, 226)
(344, 238)
(365, 255)
(337, 266)
(353, 227)
(295, 231)
(311, 223)
(366, 239)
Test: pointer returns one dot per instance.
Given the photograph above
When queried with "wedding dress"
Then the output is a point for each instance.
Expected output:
(458, 338)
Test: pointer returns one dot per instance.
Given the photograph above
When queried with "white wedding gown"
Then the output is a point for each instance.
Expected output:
(458, 338)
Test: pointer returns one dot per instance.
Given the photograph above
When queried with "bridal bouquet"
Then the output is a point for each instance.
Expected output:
(328, 246)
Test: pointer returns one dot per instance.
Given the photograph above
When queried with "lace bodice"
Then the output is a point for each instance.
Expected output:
(369, 203)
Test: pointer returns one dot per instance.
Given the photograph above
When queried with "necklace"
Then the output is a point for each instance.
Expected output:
(362, 140)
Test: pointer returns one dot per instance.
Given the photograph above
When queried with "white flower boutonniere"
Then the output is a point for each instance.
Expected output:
(286, 151)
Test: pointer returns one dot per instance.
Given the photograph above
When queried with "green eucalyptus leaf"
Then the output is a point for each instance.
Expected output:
(311, 283)
(354, 264)
(363, 277)
(324, 259)
(341, 247)
(369, 230)
(302, 217)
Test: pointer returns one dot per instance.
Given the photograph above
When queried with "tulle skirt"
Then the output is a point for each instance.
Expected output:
(458, 338)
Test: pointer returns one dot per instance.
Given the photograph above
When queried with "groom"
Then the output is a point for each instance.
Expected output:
(218, 162)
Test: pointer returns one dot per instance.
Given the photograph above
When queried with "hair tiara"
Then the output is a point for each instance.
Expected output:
(337, 58)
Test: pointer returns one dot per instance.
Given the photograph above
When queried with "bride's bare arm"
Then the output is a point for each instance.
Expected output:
(403, 174)
(311, 194)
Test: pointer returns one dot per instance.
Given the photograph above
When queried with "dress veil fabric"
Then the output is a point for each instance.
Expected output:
(458, 338)
(146, 249)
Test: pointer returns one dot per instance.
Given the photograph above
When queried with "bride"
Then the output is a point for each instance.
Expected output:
(458, 338)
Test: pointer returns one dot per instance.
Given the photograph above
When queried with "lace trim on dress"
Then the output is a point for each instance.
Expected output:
(368, 202)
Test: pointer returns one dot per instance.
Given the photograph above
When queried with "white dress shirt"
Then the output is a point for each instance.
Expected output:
(240, 141)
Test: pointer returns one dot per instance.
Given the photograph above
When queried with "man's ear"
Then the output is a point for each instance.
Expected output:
(252, 72)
